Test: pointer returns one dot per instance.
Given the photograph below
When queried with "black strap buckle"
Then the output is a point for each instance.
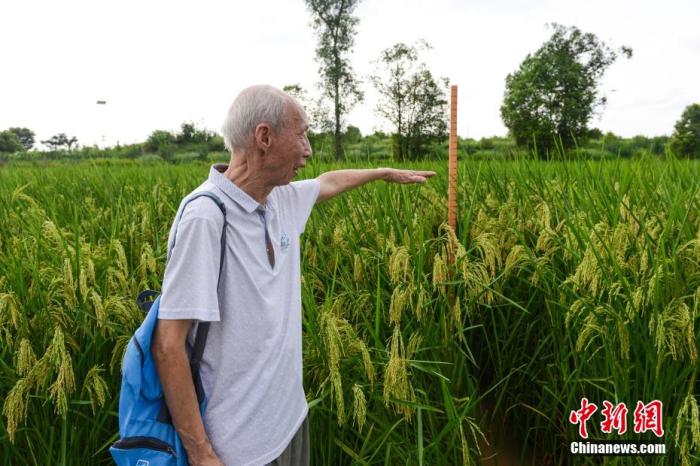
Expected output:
(145, 299)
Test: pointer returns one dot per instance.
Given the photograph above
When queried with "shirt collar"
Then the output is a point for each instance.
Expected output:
(229, 188)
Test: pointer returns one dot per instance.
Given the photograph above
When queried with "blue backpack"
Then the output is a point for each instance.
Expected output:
(148, 437)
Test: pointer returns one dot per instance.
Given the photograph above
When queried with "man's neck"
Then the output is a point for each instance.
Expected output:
(248, 179)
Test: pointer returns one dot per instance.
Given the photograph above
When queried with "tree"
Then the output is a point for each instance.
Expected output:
(25, 135)
(353, 135)
(10, 142)
(411, 99)
(549, 100)
(162, 142)
(685, 140)
(316, 109)
(187, 133)
(594, 133)
(335, 26)
(60, 140)
(190, 134)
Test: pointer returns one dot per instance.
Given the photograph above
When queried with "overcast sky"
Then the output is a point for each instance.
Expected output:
(158, 63)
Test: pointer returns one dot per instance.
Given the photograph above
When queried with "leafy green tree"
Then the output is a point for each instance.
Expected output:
(353, 134)
(411, 99)
(159, 138)
(335, 27)
(549, 100)
(296, 91)
(10, 142)
(25, 135)
(316, 109)
(189, 133)
(60, 141)
(594, 133)
(161, 142)
(685, 140)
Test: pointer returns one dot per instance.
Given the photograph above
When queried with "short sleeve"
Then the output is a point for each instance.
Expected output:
(192, 272)
(302, 197)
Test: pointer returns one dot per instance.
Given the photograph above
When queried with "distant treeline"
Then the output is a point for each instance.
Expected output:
(192, 143)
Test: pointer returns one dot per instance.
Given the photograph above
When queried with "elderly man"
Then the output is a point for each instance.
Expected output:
(251, 369)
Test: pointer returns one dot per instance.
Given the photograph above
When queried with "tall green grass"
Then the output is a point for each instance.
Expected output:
(570, 280)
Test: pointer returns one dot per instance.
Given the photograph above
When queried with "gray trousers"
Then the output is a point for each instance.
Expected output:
(297, 452)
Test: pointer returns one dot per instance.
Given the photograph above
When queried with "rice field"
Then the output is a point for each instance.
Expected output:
(562, 281)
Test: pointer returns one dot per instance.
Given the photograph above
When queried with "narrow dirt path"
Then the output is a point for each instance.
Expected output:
(503, 448)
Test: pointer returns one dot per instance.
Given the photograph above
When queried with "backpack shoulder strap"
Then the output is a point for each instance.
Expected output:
(191, 198)
(202, 327)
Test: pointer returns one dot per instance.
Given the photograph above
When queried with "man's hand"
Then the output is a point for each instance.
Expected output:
(406, 176)
(209, 460)
(338, 181)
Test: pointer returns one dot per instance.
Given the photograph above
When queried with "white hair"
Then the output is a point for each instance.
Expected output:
(254, 105)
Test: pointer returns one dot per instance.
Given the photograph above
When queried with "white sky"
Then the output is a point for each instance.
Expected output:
(158, 63)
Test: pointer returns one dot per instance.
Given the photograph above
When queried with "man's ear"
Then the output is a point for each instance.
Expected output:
(263, 137)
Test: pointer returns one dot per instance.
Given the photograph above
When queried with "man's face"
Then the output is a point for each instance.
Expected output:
(292, 148)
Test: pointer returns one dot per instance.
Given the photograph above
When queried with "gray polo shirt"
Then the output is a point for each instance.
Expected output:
(252, 363)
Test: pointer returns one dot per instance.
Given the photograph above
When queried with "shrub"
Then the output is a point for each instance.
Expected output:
(150, 159)
(185, 157)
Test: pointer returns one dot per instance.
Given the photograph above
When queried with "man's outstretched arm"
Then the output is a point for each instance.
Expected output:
(338, 181)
